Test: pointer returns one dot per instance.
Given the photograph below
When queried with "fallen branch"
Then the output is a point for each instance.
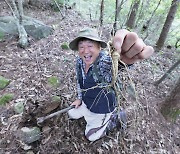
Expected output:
(59, 9)
(167, 73)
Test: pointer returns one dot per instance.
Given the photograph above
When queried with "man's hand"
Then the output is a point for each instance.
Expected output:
(77, 103)
(131, 47)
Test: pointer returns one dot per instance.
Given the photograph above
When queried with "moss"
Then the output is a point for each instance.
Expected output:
(6, 99)
(65, 46)
(56, 98)
(19, 107)
(3, 82)
(53, 81)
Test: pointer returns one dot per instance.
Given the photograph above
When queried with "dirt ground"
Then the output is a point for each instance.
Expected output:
(28, 70)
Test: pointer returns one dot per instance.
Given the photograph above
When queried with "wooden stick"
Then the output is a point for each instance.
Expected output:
(42, 119)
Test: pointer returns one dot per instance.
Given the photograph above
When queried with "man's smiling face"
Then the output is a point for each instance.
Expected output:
(88, 50)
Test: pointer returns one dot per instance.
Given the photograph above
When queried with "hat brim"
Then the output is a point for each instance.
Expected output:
(74, 43)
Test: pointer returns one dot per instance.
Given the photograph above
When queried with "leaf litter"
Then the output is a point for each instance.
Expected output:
(29, 70)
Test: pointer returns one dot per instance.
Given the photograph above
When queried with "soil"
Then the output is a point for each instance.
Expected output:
(28, 70)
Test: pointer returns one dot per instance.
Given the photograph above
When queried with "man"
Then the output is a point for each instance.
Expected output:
(96, 100)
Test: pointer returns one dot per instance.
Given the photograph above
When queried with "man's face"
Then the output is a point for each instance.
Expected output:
(88, 50)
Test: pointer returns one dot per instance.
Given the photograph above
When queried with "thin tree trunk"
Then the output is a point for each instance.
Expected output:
(59, 9)
(20, 9)
(146, 26)
(117, 12)
(23, 39)
(167, 24)
(101, 13)
(167, 73)
(116, 17)
(132, 17)
(141, 11)
(153, 13)
(17, 11)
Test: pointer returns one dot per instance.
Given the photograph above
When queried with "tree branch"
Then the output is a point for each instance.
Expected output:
(167, 73)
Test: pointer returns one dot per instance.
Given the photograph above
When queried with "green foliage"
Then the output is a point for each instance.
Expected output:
(174, 33)
(163, 7)
(178, 13)
(3, 82)
(174, 114)
(91, 10)
(53, 81)
(6, 98)
(65, 46)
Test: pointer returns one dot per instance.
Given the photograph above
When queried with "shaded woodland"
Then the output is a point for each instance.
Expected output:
(37, 75)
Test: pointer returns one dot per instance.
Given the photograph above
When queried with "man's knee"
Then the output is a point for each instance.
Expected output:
(74, 114)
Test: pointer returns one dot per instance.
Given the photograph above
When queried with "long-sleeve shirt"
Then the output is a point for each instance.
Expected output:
(104, 70)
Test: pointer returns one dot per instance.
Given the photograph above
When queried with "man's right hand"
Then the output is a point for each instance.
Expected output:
(130, 47)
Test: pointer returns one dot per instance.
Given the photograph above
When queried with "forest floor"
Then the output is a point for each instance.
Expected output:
(29, 69)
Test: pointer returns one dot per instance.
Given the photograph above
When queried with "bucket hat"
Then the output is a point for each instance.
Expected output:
(88, 33)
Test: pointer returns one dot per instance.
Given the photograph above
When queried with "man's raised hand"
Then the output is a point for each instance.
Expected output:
(131, 47)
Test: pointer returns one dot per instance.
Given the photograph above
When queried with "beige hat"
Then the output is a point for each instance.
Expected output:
(88, 33)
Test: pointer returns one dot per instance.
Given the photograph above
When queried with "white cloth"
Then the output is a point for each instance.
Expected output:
(94, 121)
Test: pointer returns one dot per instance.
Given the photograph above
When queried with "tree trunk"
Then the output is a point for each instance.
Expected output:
(141, 13)
(101, 13)
(59, 9)
(152, 14)
(116, 17)
(23, 38)
(170, 109)
(17, 11)
(147, 24)
(117, 12)
(132, 17)
(167, 24)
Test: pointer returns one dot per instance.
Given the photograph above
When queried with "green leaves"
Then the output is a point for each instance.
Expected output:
(6, 98)
(53, 81)
(3, 82)
(65, 46)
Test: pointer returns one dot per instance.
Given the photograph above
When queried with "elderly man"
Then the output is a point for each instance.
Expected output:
(96, 100)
